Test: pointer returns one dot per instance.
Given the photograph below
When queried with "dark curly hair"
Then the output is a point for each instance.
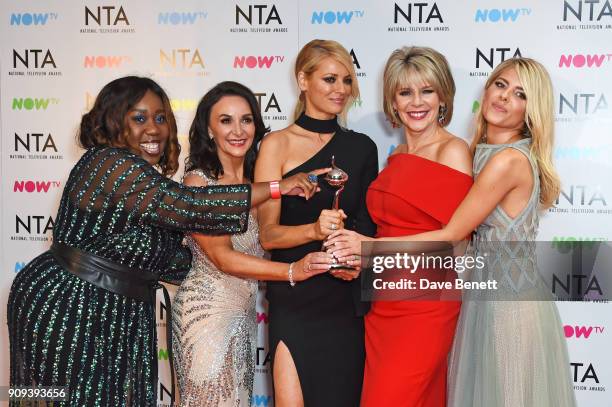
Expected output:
(203, 150)
(104, 124)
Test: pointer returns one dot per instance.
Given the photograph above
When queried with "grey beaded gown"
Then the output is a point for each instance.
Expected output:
(214, 327)
(509, 350)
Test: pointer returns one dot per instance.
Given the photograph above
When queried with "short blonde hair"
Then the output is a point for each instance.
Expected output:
(539, 123)
(425, 63)
(308, 61)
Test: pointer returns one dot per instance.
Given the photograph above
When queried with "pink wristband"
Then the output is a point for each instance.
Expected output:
(275, 192)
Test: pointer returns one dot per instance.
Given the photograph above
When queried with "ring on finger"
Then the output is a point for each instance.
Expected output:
(309, 266)
(312, 178)
(333, 226)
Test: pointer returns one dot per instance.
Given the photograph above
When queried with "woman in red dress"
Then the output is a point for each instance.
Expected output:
(407, 342)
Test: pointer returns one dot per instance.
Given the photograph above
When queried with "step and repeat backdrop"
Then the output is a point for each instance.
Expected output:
(55, 56)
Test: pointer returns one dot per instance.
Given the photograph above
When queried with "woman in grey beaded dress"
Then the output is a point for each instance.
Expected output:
(509, 348)
(214, 321)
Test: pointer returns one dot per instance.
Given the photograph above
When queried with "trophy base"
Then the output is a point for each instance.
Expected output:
(341, 266)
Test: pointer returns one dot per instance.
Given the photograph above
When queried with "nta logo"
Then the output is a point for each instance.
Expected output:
(106, 15)
(37, 141)
(106, 61)
(581, 375)
(34, 186)
(335, 17)
(595, 9)
(496, 15)
(38, 58)
(424, 13)
(32, 18)
(582, 103)
(271, 103)
(257, 61)
(181, 18)
(36, 103)
(489, 56)
(37, 224)
(264, 17)
(581, 195)
(583, 61)
(187, 58)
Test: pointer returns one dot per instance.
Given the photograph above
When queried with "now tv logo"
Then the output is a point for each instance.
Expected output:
(262, 317)
(35, 186)
(252, 62)
(581, 331)
(335, 17)
(583, 61)
(33, 103)
(184, 105)
(261, 400)
(496, 15)
(106, 61)
(180, 18)
(32, 18)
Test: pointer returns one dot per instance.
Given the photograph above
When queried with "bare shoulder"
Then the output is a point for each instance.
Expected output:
(275, 141)
(401, 148)
(193, 179)
(508, 162)
(455, 153)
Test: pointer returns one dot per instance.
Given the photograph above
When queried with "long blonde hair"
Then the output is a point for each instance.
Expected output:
(538, 124)
(308, 61)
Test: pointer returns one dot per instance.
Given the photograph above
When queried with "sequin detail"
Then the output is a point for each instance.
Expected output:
(65, 331)
(214, 328)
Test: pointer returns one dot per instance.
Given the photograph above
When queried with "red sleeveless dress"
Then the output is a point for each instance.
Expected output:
(407, 342)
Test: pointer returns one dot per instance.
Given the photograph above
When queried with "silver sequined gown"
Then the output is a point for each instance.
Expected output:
(215, 329)
(509, 353)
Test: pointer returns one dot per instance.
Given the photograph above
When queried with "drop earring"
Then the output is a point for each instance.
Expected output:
(442, 114)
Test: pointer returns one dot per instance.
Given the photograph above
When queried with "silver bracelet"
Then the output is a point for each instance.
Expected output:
(290, 273)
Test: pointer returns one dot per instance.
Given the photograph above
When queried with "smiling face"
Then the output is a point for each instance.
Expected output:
(417, 105)
(232, 126)
(146, 128)
(504, 102)
(327, 89)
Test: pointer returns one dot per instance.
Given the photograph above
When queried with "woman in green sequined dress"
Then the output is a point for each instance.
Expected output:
(81, 315)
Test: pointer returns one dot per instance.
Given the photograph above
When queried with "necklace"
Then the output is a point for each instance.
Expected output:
(317, 125)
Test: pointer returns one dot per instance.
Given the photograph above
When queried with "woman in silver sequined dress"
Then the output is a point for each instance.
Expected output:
(213, 316)
(509, 347)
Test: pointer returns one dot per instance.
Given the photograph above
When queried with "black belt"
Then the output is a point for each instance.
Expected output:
(129, 282)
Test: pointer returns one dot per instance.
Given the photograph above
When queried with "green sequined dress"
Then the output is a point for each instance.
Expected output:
(65, 331)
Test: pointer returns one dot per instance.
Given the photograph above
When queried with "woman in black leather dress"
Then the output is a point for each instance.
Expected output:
(316, 327)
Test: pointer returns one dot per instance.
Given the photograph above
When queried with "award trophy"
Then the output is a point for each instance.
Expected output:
(337, 178)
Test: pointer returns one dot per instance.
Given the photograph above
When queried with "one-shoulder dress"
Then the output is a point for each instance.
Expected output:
(407, 342)
(321, 319)
(65, 331)
(509, 350)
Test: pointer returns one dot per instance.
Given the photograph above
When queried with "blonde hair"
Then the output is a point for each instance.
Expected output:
(409, 63)
(538, 124)
(308, 61)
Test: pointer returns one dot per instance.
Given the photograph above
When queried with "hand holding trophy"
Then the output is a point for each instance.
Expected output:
(337, 178)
